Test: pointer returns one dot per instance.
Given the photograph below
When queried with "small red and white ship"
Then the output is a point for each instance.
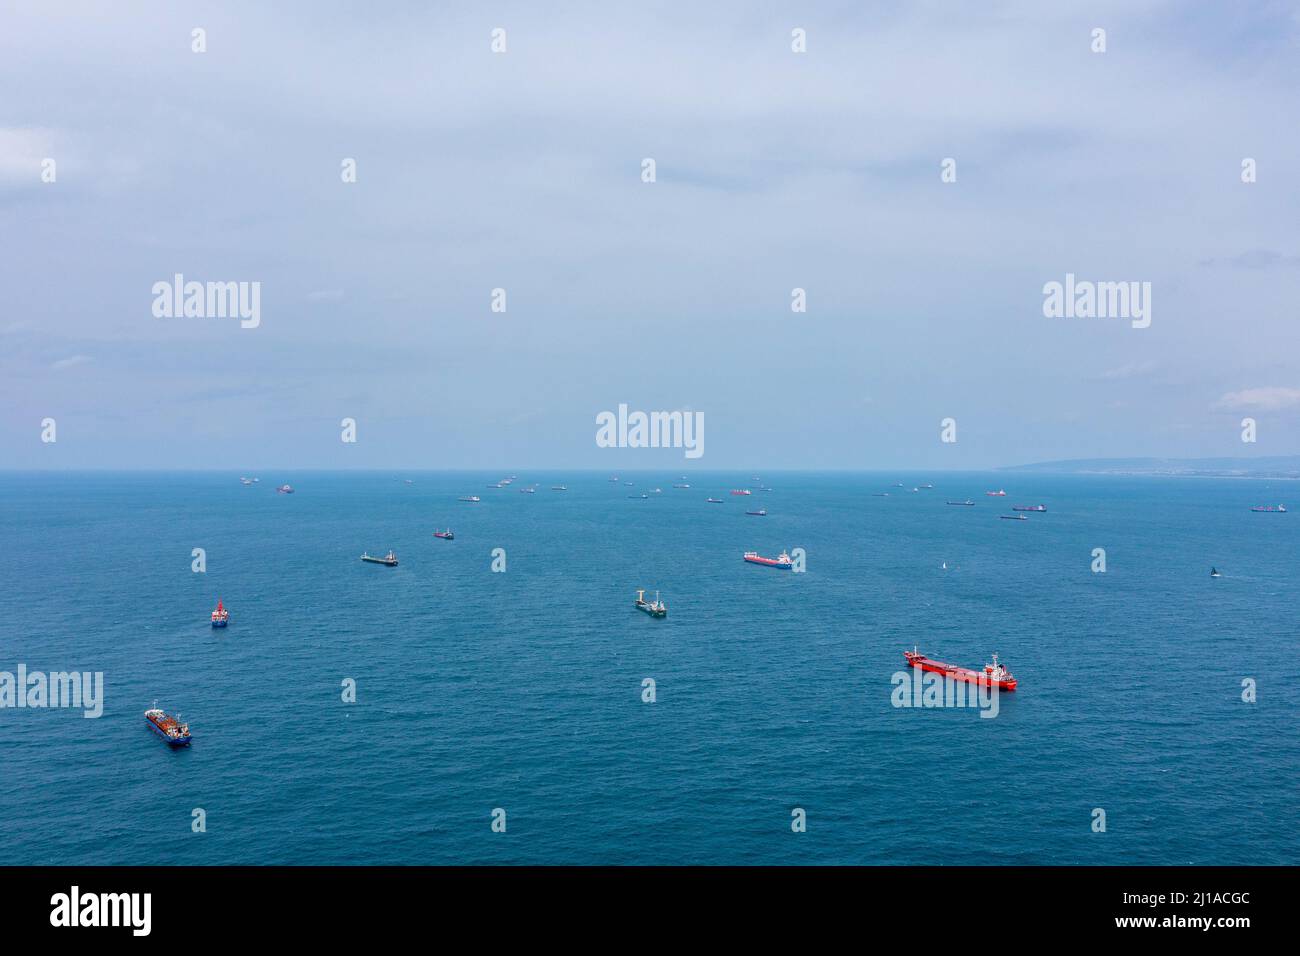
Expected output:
(994, 674)
(996, 494)
(782, 561)
(1039, 508)
(220, 617)
(741, 491)
(1280, 509)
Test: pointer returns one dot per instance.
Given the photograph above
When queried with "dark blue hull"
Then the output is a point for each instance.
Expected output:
(220, 623)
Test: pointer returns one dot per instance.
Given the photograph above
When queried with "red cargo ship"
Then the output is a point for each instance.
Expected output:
(783, 562)
(994, 674)
(741, 491)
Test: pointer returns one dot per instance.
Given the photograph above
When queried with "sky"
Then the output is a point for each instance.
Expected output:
(523, 170)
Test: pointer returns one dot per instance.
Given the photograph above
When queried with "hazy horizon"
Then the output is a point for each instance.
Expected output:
(775, 170)
(399, 471)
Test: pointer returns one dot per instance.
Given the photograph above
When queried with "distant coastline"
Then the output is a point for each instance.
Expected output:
(1282, 467)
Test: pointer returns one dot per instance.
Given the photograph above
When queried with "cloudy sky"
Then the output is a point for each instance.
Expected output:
(775, 170)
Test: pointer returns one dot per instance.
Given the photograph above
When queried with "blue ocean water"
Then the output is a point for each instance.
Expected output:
(522, 690)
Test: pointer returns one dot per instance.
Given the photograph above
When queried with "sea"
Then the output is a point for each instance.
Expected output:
(498, 699)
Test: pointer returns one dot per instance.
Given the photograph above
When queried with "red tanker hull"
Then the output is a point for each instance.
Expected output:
(963, 674)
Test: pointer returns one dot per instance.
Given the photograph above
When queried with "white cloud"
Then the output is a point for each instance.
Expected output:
(71, 361)
(1132, 370)
(1256, 259)
(21, 152)
(1264, 399)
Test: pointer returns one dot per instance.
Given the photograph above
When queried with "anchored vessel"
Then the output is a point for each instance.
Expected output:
(470, 498)
(965, 504)
(220, 617)
(1029, 507)
(995, 674)
(389, 559)
(655, 608)
(449, 535)
(782, 561)
(1014, 517)
(285, 489)
(713, 501)
(741, 491)
(996, 494)
(167, 727)
(760, 513)
(1280, 509)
